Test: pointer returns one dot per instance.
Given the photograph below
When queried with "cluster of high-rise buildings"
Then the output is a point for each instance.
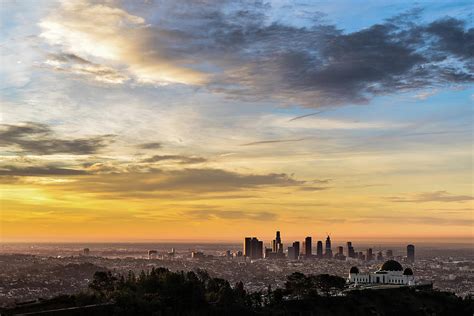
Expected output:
(254, 249)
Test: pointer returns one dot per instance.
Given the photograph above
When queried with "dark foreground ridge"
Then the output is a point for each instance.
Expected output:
(162, 292)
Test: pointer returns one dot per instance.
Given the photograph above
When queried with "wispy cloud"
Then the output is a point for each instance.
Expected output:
(423, 95)
(417, 220)
(70, 63)
(152, 145)
(181, 159)
(304, 116)
(437, 196)
(264, 142)
(39, 171)
(231, 215)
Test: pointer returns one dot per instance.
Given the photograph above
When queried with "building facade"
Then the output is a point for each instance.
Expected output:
(391, 272)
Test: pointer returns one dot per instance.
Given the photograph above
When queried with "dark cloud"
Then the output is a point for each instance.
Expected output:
(178, 158)
(184, 181)
(39, 139)
(438, 196)
(150, 146)
(452, 37)
(314, 66)
(312, 189)
(230, 215)
(39, 171)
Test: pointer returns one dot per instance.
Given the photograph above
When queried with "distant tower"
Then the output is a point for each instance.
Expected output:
(277, 246)
(268, 251)
(254, 247)
(274, 246)
(278, 238)
(308, 247)
(369, 255)
(86, 251)
(319, 249)
(350, 250)
(296, 247)
(389, 254)
(248, 247)
(328, 253)
(291, 253)
(259, 254)
(411, 253)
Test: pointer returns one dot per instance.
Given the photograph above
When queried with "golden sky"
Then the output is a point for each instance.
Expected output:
(152, 121)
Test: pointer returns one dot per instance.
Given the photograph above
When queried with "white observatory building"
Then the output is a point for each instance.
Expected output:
(391, 272)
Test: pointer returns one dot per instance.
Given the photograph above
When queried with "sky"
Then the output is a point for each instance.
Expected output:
(214, 120)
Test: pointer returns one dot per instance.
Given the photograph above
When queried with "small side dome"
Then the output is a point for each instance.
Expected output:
(391, 265)
(354, 270)
(408, 271)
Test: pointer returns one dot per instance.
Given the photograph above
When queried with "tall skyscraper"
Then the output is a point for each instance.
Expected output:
(248, 247)
(369, 255)
(328, 253)
(411, 253)
(340, 253)
(319, 249)
(259, 252)
(268, 252)
(277, 246)
(278, 238)
(308, 247)
(350, 250)
(291, 253)
(389, 254)
(253, 248)
(296, 246)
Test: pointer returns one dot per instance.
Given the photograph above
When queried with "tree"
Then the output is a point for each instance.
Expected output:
(328, 283)
(103, 283)
(297, 284)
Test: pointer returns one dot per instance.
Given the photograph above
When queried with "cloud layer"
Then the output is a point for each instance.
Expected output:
(233, 48)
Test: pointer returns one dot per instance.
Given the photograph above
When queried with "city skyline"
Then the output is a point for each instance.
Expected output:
(256, 249)
(146, 121)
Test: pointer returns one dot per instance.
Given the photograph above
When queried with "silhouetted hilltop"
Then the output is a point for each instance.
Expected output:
(162, 292)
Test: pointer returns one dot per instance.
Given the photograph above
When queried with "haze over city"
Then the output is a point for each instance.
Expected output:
(132, 121)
